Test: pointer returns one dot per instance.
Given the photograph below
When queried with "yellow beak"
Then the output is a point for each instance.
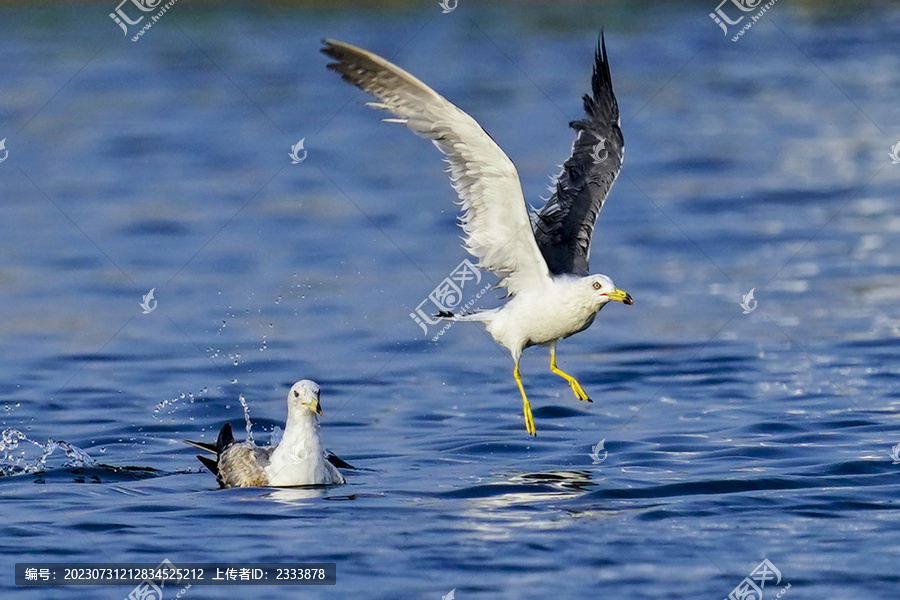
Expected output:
(620, 296)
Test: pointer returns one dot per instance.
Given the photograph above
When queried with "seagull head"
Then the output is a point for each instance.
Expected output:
(602, 290)
(304, 398)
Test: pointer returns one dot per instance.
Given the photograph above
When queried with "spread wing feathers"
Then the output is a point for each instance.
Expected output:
(495, 218)
(564, 226)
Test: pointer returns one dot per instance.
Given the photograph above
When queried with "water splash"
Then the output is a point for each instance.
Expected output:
(247, 423)
(169, 406)
(19, 454)
(275, 436)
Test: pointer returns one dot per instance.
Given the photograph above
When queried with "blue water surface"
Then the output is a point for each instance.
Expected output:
(728, 438)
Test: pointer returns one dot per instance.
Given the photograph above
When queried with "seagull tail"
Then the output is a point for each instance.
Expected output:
(482, 316)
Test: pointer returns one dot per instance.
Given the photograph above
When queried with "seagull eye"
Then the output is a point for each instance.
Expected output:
(296, 394)
(597, 285)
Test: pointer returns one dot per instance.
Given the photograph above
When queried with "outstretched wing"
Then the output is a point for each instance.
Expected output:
(495, 218)
(564, 226)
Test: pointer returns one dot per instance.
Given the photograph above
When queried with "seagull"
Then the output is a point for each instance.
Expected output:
(541, 258)
(299, 459)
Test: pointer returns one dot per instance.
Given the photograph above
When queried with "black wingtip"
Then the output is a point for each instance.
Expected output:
(339, 462)
(601, 76)
(331, 50)
(201, 445)
(225, 439)
(601, 102)
(444, 314)
(209, 464)
(328, 47)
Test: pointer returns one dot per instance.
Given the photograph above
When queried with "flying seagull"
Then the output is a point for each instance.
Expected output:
(541, 259)
(299, 459)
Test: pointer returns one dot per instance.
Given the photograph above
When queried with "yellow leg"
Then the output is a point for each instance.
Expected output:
(576, 387)
(526, 406)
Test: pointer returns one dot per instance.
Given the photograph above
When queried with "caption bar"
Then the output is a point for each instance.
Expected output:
(172, 575)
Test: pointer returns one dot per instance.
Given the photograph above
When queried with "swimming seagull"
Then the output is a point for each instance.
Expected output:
(299, 459)
(541, 259)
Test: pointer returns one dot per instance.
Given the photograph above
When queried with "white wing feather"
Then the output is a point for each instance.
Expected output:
(495, 219)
